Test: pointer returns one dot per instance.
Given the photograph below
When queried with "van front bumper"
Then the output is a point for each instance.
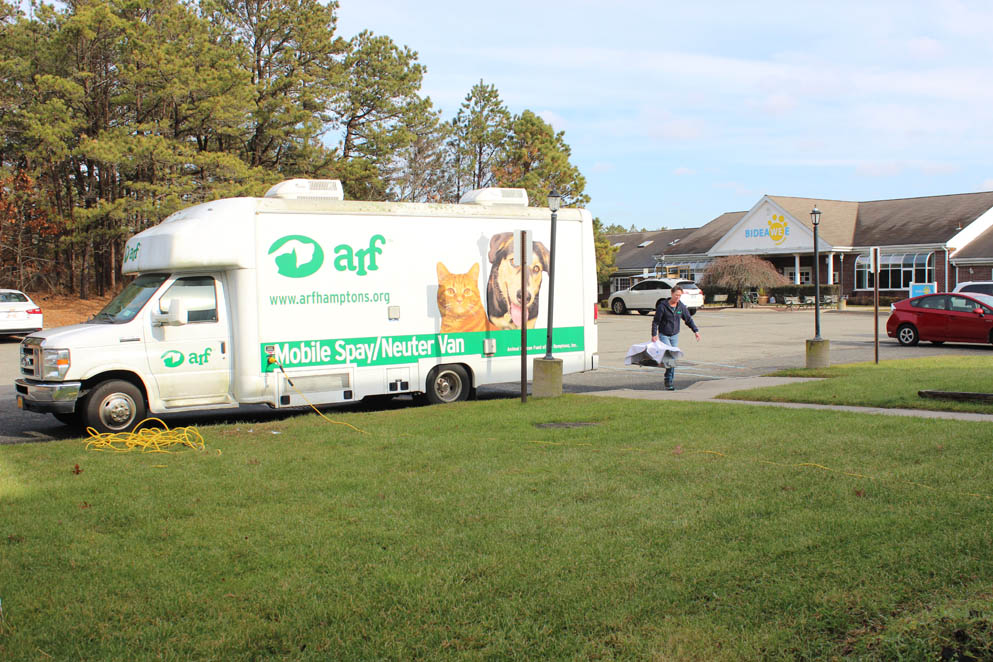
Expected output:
(45, 397)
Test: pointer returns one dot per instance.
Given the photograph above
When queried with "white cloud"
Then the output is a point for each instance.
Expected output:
(557, 122)
(679, 129)
(987, 184)
(684, 171)
(775, 104)
(925, 48)
(879, 169)
(938, 168)
(602, 166)
(736, 187)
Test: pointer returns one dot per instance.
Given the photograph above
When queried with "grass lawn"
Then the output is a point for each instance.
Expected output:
(892, 384)
(666, 531)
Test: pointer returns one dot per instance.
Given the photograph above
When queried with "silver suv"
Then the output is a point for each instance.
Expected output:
(644, 295)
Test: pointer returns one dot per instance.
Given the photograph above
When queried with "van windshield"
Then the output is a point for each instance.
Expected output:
(130, 301)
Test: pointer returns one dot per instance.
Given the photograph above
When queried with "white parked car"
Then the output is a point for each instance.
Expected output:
(18, 313)
(975, 287)
(643, 296)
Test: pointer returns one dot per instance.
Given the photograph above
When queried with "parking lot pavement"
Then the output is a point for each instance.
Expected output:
(746, 343)
(735, 344)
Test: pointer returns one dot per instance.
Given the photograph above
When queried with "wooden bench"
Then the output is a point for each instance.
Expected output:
(791, 303)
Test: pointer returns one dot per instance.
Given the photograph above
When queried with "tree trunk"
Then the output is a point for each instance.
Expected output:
(84, 263)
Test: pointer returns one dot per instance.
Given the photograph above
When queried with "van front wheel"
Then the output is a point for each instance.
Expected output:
(447, 383)
(114, 406)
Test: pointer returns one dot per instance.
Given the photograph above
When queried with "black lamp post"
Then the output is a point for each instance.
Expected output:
(554, 200)
(815, 219)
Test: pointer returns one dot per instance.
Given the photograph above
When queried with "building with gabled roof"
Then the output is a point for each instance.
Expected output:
(921, 240)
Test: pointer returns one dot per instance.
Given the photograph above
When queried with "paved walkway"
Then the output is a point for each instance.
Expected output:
(708, 390)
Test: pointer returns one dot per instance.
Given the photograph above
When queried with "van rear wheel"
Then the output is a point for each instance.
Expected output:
(447, 383)
(114, 406)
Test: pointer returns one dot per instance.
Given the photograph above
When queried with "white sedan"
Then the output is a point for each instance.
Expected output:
(19, 315)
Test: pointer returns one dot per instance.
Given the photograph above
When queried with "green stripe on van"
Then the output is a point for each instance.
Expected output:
(388, 350)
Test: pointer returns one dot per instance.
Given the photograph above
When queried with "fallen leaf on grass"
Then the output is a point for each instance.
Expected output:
(678, 450)
(76, 470)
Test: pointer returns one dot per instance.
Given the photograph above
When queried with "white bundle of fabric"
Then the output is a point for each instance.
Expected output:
(657, 353)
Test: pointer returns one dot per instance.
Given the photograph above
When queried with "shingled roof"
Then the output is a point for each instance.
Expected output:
(631, 257)
(980, 248)
(702, 239)
(930, 220)
(844, 224)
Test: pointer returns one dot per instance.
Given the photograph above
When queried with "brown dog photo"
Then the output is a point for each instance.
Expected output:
(503, 288)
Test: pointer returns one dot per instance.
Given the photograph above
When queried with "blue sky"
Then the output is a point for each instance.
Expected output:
(679, 112)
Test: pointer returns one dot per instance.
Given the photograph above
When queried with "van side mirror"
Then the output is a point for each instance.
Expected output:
(177, 315)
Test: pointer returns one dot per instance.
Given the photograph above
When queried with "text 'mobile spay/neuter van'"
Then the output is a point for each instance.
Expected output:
(303, 297)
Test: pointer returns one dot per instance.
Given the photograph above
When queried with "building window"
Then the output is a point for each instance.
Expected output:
(685, 270)
(621, 283)
(896, 271)
(805, 277)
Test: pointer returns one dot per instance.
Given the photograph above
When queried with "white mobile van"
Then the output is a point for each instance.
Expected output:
(302, 296)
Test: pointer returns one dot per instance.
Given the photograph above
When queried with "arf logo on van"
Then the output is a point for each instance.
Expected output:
(131, 252)
(297, 256)
(172, 358)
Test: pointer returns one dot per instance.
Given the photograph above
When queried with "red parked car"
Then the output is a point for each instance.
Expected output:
(952, 317)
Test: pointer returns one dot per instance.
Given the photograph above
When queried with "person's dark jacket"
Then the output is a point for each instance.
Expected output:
(666, 320)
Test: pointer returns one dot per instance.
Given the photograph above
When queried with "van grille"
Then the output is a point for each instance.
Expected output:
(30, 360)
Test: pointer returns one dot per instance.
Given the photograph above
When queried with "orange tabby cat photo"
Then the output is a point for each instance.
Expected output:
(459, 302)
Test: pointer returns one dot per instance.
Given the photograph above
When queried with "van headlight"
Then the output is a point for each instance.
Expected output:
(54, 363)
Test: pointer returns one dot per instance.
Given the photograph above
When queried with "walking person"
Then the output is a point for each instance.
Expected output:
(665, 327)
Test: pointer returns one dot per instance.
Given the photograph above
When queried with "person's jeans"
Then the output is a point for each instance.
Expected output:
(673, 341)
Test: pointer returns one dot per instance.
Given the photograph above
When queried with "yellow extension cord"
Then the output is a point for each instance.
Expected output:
(147, 440)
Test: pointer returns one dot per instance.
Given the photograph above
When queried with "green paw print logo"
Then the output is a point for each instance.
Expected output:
(297, 256)
(172, 358)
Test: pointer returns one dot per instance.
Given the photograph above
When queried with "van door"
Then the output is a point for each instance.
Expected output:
(190, 362)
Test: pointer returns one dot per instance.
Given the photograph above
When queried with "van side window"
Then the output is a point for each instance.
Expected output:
(199, 294)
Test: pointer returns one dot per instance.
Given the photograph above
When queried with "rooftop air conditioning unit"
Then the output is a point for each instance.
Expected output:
(517, 197)
(296, 189)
